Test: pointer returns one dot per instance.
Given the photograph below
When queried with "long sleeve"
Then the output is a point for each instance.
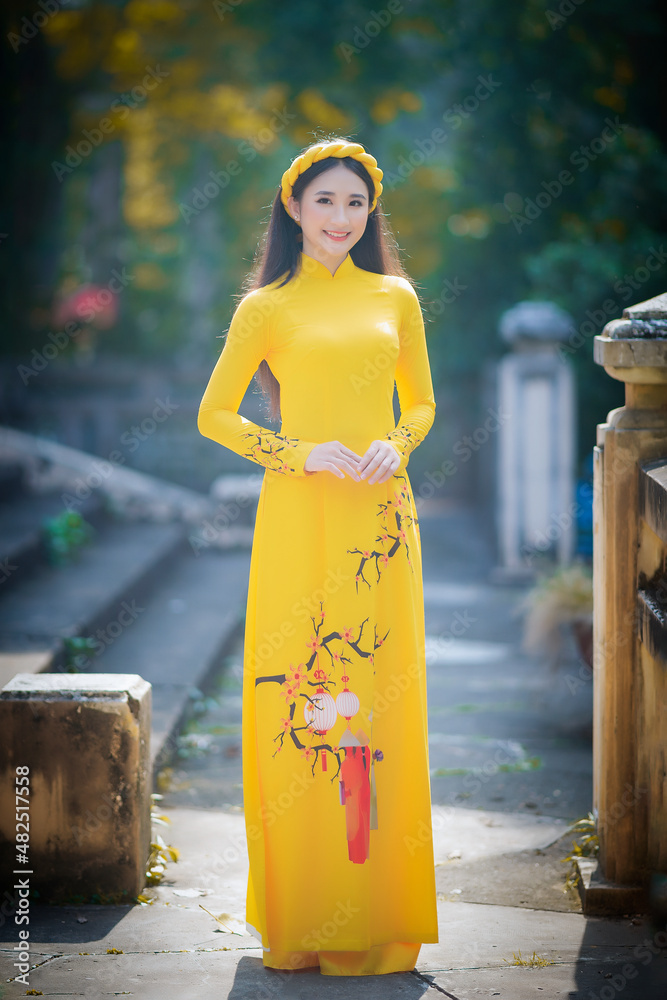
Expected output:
(413, 380)
(246, 344)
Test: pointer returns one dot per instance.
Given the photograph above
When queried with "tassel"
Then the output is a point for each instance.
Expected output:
(374, 801)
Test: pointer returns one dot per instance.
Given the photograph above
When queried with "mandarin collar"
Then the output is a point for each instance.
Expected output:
(317, 269)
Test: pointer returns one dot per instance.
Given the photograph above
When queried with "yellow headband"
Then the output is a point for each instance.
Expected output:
(322, 150)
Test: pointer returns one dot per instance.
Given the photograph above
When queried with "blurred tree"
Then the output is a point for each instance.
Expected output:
(179, 118)
(34, 115)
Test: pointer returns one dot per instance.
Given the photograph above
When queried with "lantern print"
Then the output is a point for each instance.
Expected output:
(320, 712)
(355, 793)
(347, 702)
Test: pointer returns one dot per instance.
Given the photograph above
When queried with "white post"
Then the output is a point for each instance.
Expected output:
(536, 453)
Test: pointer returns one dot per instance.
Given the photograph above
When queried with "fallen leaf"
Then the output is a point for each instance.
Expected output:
(221, 920)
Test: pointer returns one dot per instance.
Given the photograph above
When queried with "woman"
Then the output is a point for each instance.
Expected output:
(335, 753)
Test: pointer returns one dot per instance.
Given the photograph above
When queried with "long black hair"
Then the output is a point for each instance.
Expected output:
(279, 250)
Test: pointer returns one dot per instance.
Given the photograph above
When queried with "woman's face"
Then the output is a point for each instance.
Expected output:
(332, 212)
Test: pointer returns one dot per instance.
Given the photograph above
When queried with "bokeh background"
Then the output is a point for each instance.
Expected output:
(143, 142)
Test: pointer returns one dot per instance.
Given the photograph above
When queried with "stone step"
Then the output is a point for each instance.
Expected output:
(31, 662)
(100, 589)
(11, 479)
(180, 636)
(22, 516)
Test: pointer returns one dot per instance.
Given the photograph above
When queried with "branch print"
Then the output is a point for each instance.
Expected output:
(406, 438)
(265, 447)
(318, 686)
(395, 516)
(308, 685)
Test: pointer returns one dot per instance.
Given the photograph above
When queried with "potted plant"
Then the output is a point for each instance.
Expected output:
(561, 599)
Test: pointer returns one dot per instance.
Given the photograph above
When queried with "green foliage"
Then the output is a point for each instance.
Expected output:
(249, 84)
(160, 854)
(525, 764)
(587, 846)
(64, 536)
(563, 596)
(534, 962)
(77, 648)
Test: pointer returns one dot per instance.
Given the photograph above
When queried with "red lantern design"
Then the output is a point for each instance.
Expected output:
(355, 794)
(347, 702)
(320, 711)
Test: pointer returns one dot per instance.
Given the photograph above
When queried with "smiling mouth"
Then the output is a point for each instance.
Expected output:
(336, 236)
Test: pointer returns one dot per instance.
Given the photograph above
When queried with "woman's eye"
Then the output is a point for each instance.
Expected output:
(355, 202)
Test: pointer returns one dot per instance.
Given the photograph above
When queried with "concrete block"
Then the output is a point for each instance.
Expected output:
(85, 741)
(602, 898)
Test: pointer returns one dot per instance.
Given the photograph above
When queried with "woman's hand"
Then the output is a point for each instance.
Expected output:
(376, 466)
(332, 456)
(379, 462)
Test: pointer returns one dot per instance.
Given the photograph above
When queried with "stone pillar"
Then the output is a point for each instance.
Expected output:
(83, 742)
(535, 454)
(633, 434)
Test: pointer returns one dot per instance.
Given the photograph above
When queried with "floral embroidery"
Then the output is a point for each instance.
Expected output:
(303, 684)
(321, 689)
(406, 439)
(265, 447)
(395, 516)
(308, 686)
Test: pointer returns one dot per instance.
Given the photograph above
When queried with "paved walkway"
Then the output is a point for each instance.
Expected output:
(511, 770)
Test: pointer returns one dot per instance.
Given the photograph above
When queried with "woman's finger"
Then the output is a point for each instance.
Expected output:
(351, 469)
(379, 471)
(385, 473)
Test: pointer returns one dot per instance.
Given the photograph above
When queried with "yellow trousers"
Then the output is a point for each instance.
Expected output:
(397, 956)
